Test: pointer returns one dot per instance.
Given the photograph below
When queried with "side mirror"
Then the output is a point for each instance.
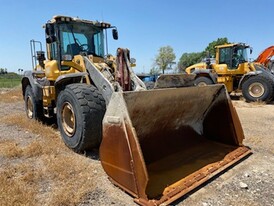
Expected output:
(132, 62)
(115, 34)
(50, 29)
(50, 33)
(251, 50)
(51, 39)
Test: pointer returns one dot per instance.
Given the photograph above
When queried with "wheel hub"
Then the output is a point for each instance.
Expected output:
(29, 108)
(68, 119)
(202, 84)
(256, 90)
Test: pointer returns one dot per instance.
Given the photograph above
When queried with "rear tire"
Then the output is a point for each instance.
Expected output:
(258, 88)
(33, 108)
(80, 111)
(203, 81)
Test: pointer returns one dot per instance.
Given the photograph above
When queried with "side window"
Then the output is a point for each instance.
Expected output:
(240, 54)
(53, 49)
(225, 56)
(66, 39)
(97, 42)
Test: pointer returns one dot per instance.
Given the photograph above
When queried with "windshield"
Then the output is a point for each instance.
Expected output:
(233, 56)
(241, 53)
(77, 38)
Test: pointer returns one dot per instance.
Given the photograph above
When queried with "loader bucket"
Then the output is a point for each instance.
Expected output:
(160, 144)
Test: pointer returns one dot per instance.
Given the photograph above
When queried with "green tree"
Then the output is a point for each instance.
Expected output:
(211, 46)
(165, 58)
(188, 59)
(3, 70)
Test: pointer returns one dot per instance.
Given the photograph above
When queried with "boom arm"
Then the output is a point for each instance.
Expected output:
(107, 83)
(265, 56)
(100, 79)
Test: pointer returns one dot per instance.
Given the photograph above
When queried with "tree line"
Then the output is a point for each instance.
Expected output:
(165, 57)
(3, 71)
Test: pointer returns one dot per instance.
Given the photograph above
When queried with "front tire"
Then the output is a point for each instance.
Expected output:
(258, 88)
(33, 108)
(203, 81)
(80, 111)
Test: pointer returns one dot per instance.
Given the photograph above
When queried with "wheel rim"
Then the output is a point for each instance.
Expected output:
(256, 89)
(29, 107)
(201, 84)
(68, 119)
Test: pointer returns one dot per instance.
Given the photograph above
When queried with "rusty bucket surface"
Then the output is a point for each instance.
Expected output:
(160, 144)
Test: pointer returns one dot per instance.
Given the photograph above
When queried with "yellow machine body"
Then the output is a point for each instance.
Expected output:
(227, 72)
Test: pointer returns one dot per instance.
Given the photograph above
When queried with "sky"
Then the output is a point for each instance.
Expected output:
(144, 26)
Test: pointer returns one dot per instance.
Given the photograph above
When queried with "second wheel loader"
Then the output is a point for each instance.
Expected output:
(155, 144)
(231, 68)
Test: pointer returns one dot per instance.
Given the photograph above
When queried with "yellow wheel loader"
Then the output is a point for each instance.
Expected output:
(155, 144)
(231, 67)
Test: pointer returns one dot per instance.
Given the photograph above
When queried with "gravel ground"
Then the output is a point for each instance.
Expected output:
(249, 183)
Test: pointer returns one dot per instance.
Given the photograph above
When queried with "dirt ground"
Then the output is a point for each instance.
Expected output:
(249, 183)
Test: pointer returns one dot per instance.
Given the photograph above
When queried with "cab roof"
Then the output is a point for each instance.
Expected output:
(233, 45)
(61, 18)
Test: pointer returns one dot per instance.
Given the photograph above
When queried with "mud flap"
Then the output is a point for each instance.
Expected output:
(160, 144)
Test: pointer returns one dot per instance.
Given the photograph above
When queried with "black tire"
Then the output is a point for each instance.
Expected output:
(80, 111)
(33, 108)
(202, 81)
(150, 85)
(258, 88)
(271, 67)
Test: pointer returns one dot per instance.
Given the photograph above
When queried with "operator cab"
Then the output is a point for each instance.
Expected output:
(67, 37)
(233, 55)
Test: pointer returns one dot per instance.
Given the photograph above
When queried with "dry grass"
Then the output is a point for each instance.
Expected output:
(32, 126)
(17, 186)
(10, 149)
(74, 178)
(41, 170)
(11, 95)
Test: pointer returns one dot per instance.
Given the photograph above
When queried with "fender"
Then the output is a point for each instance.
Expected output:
(246, 76)
(206, 72)
(66, 79)
(36, 87)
